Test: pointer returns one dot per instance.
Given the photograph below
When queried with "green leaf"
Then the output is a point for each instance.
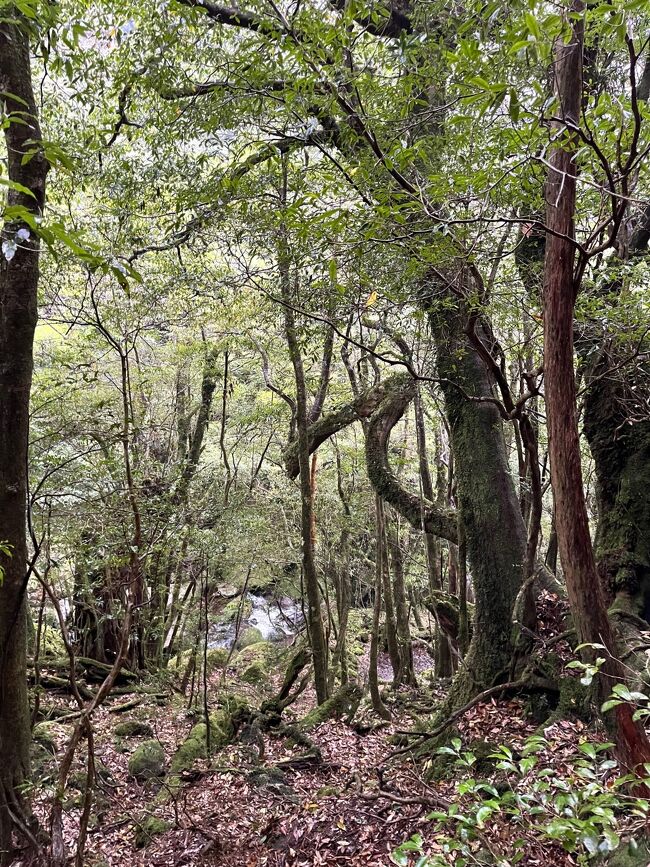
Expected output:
(19, 188)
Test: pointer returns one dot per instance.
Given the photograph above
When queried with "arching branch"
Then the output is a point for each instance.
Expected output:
(419, 512)
(383, 404)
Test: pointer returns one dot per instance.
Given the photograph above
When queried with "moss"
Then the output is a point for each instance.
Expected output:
(148, 761)
(255, 673)
(249, 636)
(148, 828)
(628, 856)
(230, 611)
(261, 653)
(52, 645)
(45, 735)
(133, 728)
(345, 701)
(216, 658)
(194, 747)
(328, 792)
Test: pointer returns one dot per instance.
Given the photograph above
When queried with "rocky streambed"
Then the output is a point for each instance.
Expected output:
(262, 619)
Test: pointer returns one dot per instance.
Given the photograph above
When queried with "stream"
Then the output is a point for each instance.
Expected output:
(276, 620)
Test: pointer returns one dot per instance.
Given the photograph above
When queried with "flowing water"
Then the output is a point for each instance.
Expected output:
(276, 620)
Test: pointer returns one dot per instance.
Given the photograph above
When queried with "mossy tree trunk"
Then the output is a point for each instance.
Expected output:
(373, 677)
(443, 658)
(489, 507)
(405, 648)
(390, 624)
(19, 275)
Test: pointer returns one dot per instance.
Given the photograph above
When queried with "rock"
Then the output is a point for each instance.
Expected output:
(216, 657)
(148, 761)
(45, 734)
(232, 609)
(228, 591)
(262, 652)
(148, 828)
(133, 728)
(255, 673)
(272, 780)
(630, 855)
(328, 792)
(249, 636)
(194, 746)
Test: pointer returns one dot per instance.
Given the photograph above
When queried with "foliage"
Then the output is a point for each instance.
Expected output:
(581, 810)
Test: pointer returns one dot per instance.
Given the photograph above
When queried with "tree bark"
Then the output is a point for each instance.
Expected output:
(488, 503)
(19, 275)
(560, 290)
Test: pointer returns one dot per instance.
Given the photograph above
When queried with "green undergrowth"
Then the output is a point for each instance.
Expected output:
(591, 813)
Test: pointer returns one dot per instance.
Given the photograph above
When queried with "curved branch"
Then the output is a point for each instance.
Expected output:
(362, 406)
(384, 404)
(418, 511)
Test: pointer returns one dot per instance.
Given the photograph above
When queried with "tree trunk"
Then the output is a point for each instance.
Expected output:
(405, 648)
(373, 679)
(389, 606)
(583, 586)
(314, 617)
(489, 506)
(19, 274)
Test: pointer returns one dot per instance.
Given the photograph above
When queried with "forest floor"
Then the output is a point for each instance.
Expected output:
(330, 814)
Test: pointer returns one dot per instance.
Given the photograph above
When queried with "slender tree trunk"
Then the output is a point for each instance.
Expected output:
(576, 552)
(314, 617)
(389, 606)
(405, 648)
(19, 274)
(373, 679)
(443, 666)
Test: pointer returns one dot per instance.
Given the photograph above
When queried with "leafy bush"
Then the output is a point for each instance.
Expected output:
(581, 812)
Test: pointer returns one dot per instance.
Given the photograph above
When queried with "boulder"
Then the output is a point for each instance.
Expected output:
(148, 761)
(133, 728)
(249, 636)
(147, 828)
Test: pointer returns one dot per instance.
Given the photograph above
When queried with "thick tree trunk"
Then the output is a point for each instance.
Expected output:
(489, 506)
(576, 552)
(19, 274)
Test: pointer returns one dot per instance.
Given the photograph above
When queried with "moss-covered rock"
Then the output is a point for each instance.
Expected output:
(255, 673)
(230, 611)
(222, 732)
(262, 653)
(250, 635)
(133, 728)
(216, 658)
(328, 792)
(343, 702)
(148, 761)
(45, 735)
(147, 828)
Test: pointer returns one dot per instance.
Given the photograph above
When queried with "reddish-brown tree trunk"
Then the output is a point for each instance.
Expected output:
(576, 551)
